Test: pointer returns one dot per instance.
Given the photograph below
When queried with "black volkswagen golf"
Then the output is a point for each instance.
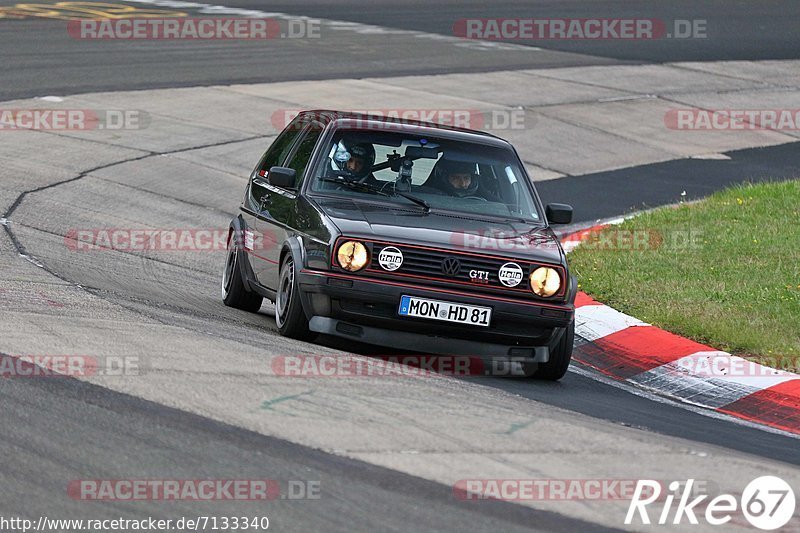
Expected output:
(404, 234)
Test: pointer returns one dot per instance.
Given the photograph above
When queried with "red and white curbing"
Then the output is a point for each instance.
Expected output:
(627, 349)
(572, 240)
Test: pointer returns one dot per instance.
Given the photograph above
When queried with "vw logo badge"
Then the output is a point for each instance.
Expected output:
(451, 266)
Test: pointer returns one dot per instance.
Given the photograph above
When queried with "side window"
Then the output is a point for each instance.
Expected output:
(305, 148)
(277, 152)
(274, 156)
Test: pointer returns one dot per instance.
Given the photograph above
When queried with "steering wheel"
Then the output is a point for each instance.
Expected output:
(474, 198)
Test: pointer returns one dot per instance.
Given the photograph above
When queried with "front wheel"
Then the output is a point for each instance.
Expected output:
(234, 293)
(289, 316)
(556, 367)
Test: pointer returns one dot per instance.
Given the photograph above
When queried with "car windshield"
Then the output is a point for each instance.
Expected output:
(436, 174)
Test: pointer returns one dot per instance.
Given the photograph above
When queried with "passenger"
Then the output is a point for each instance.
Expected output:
(455, 178)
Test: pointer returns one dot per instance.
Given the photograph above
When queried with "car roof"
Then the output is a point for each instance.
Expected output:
(343, 119)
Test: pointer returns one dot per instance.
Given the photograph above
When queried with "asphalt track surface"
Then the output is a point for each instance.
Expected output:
(40, 58)
(60, 429)
(78, 423)
(657, 183)
(735, 30)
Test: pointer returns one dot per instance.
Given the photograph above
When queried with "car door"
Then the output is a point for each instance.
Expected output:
(258, 192)
(276, 218)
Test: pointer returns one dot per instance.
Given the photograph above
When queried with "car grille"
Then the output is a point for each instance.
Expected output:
(431, 264)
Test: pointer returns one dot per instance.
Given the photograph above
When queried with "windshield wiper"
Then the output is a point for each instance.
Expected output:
(518, 219)
(419, 201)
(357, 185)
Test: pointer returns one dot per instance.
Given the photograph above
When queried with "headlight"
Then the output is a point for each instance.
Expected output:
(545, 281)
(352, 256)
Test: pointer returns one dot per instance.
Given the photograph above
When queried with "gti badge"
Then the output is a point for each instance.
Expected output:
(479, 276)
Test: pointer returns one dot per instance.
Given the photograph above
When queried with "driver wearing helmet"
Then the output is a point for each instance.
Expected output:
(355, 161)
(456, 178)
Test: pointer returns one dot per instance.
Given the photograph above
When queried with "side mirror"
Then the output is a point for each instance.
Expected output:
(558, 213)
(282, 177)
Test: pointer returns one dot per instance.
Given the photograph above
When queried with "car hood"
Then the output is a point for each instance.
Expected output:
(412, 225)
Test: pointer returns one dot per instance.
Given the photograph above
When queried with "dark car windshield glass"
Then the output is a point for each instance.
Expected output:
(439, 174)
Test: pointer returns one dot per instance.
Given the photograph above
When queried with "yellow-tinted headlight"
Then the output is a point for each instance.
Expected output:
(352, 256)
(545, 281)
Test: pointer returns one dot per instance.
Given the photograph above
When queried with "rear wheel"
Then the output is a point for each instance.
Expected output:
(556, 367)
(289, 315)
(234, 293)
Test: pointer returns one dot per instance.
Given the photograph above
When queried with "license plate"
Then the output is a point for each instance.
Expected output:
(446, 311)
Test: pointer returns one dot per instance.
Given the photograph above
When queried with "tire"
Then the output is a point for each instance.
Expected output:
(289, 315)
(560, 357)
(234, 293)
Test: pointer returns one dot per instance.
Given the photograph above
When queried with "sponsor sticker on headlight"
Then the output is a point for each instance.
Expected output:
(390, 258)
(510, 274)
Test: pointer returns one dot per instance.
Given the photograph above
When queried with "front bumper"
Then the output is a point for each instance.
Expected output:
(365, 309)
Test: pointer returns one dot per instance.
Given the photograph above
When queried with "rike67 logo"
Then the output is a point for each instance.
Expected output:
(768, 503)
